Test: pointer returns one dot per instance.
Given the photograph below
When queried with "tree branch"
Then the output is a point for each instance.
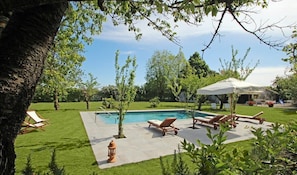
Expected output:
(261, 30)
(156, 26)
(216, 31)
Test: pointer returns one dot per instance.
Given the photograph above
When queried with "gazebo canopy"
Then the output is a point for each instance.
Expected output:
(229, 86)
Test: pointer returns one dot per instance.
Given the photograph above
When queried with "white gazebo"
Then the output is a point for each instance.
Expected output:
(229, 86)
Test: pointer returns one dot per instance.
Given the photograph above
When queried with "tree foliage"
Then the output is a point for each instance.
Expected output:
(28, 30)
(236, 67)
(286, 86)
(291, 52)
(200, 66)
(176, 68)
(163, 71)
(190, 12)
(62, 67)
(89, 88)
(126, 90)
(273, 151)
(156, 72)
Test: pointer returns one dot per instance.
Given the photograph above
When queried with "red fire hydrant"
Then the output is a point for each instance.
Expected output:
(112, 152)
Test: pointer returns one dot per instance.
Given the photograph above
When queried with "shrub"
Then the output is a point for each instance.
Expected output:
(273, 151)
(28, 169)
(154, 102)
(53, 167)
(178, 166)
(251, 103)
(108, 102)
(270, 103)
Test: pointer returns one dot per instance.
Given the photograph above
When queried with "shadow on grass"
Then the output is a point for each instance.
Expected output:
(64, 110)
(64, 144)
(289, 111)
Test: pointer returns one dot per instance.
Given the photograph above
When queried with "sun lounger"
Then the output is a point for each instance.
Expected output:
(165, 125)
(36, 118)
(28, 127)
(208, 120)
(228, 119)
(254, 117)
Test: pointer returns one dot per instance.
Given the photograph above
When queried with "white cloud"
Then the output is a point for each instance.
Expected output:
(283, 11)
(265, 75)
(128, 52)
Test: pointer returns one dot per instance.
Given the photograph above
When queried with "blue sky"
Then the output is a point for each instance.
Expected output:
(100, 55)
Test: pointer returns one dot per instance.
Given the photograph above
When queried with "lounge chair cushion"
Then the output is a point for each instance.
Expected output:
(165, 125)
(155, 122)
(254, 117)
(212, 120)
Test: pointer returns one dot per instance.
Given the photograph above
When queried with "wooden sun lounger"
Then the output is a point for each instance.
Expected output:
(208, 120)
(254, 117)
(165, 125)
(228, 119)
(36, 117)
(28, 127)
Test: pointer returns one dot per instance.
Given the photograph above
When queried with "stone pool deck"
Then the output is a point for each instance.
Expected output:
(143, 143)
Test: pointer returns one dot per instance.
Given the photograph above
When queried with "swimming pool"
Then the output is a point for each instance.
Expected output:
(143, 116)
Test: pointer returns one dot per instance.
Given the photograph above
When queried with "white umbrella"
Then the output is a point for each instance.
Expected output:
(229, 86)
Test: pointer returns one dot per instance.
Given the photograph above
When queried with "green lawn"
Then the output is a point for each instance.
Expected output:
(67, 135)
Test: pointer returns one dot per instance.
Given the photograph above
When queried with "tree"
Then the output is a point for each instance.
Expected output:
(89, 88)
(291, 51)
(109, 91)
(74, 95)
(62, 67)
(286, 86)
(200, 66)
(23, 52)
(190, 84)
(126, 90)
(157, 71)
(202, 72)
(175, 71)
(163, 70)
(29, 28)
(140, 94)
(236, 68)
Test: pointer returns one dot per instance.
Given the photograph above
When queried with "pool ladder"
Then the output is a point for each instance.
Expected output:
(107, 112)
(102, 108)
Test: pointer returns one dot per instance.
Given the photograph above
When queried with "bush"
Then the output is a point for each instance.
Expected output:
(273, 152)
(28, 169)
(53, 167)
(108, 102)
(154, 102)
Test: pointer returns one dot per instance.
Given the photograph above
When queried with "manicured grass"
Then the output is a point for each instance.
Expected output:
(67, 135)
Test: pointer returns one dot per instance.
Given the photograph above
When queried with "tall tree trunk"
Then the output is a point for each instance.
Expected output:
(56, 100)
(24, 44)
(88, 105)
(120, 125)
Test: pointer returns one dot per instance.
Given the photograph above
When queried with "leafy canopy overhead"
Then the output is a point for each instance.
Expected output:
(161, 14)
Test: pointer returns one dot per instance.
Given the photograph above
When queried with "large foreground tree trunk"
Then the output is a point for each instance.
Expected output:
(24, 44)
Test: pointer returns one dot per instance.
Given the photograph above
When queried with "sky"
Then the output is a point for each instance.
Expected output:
(100, 55)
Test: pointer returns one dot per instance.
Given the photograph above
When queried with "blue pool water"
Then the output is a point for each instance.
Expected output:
(143, 116)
